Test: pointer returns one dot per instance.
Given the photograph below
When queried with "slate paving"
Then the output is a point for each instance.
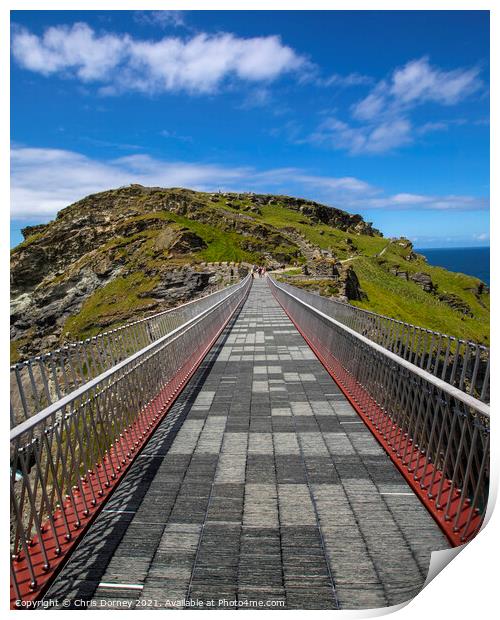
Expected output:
(261, 489)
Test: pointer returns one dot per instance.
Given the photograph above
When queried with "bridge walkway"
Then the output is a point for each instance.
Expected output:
(261, 484)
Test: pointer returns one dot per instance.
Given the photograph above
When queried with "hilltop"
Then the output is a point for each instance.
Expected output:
(126, 253)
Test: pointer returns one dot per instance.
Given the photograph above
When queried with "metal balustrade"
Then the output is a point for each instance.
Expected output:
(437, 435)
(463, 364)
(66, 459)
(44, 379)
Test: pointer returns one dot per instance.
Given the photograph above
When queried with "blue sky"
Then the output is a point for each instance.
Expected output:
(383, 113)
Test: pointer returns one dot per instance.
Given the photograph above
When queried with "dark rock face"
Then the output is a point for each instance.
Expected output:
(28, 231)
(411, 256)
(179, 242)
(423, 280)
(399, 273)
(349, 285)
(325, 267)
(343, 278)
(180, 285)
(43, 312)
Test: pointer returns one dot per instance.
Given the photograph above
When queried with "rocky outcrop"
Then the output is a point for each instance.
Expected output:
(160, 234)
(325, 267)
(423, 280)
(399, 273)
(349, 286)
(122, 254)
(412, 256)
(455, 302)
(343, 279)
(43, 312)
(317, 213)
(481, 288)
(29, 231)
(178, 242)
(177, 286)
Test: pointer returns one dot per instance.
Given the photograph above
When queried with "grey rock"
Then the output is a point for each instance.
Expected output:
(423, 280)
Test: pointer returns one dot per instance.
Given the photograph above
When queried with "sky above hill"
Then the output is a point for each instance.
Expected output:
(382, 113)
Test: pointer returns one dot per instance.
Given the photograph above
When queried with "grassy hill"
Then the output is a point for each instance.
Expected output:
(128, 252)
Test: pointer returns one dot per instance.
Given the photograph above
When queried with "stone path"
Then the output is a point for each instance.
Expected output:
(262, 488)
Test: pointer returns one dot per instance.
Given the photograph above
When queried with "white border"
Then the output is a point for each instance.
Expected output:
(467, 587)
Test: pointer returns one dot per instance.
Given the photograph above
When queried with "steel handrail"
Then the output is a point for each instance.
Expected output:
(66, 400)
(463, 397)
(67, 458)
(43, 379)
(436, 434)
(460, 362)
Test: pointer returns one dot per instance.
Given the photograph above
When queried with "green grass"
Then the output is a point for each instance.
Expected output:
(110, 306)
(29, 241)
(320, 234)
(325, 288)
(222, 245)
(15, 345)
(225, 245)
(406, 301)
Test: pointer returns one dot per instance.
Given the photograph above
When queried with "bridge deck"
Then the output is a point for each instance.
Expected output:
(261, 484)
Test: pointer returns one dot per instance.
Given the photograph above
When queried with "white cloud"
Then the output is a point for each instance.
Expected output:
(449, 202)
(75, 50)
(372, 105)
(418, 81)
(388, 136)
(371, 139)
(335, 187)
(200, 64)
(163, 19)
(382, 118)
(349, 184)
(415, 83)
(43, 181)
(432, 126)
(46, 180)
(351, 79)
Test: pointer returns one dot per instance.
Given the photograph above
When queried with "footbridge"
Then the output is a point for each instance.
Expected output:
(258, 447)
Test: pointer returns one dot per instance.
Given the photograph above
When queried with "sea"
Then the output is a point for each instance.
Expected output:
(472, 261)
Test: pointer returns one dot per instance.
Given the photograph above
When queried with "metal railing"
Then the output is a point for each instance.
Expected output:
(39, 381)
(461, 363)
(66, 458)
(436, 434)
